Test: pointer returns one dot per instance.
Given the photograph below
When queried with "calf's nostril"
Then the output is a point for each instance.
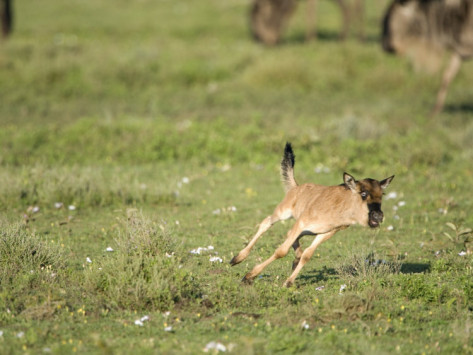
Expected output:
(377, 216)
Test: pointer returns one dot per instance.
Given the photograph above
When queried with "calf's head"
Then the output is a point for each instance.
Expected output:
(370, 192)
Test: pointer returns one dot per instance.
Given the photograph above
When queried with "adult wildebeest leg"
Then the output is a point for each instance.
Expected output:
(450, 73)
(268, 19)
(311, 29)
(307, 254)
(280, 252)
(345, 18)
(360, 18)
(6, 17)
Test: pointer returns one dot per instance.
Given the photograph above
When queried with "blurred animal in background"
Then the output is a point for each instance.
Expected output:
(6, 15)
(424, 29)
(269, 18)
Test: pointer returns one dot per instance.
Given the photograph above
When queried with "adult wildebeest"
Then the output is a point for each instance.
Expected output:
(268, 18)
(320, 211)
(6, 15)
(432, 26)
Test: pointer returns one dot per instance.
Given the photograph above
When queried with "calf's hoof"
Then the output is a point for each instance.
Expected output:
(288, 283)
(247, 280)
(235, 261)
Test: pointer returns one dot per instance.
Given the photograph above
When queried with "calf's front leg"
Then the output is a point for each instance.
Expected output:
(307, 254)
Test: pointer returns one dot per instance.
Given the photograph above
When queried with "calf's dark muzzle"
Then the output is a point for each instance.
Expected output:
(375, 216)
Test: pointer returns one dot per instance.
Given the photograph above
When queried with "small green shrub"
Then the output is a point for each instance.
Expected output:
(143, 272)
(28, 267)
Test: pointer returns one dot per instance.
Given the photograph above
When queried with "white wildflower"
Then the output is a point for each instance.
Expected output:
(168, 329)
(215, 346)
(321, 169)
(225, 167)
(391, 195)
(320, 288)
(185, 180)
(214, 259)
(342, 288)
(401, 203)
(390, 228)
(109, 249)
(305, 325)
(20, 334)
(71, 208)
(58, 205)
(88, 260)
(140, 322)
(199, 250)
(462, 253)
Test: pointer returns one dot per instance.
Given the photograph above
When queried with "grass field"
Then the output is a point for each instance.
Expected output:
(134, 132)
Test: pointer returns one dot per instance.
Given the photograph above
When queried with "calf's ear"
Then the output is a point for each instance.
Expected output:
(349, 181)
(385, 183)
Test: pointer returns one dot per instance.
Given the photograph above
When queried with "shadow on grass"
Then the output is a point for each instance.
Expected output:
(316, 275)
(414, 268)
(325, 36)
(460, 108)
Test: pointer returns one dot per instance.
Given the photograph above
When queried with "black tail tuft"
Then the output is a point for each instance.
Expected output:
(289, 156)
(287, 167)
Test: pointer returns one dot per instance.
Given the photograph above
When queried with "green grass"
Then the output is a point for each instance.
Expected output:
(162, 125)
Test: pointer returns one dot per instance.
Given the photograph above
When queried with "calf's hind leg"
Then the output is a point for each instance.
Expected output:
(280, 213)
(280, 252)
(263, 227)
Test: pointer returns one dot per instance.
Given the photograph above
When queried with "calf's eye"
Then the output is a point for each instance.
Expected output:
(364, 195)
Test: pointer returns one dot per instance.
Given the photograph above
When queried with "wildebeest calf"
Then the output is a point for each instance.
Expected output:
(433, 25)
(320, 211)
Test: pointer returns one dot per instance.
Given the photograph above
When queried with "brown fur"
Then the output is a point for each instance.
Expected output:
(424, 29)
(318, 210)
(268, 18)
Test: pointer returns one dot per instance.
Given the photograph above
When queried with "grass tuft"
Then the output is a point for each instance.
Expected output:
(144, 272)
(30, 272)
